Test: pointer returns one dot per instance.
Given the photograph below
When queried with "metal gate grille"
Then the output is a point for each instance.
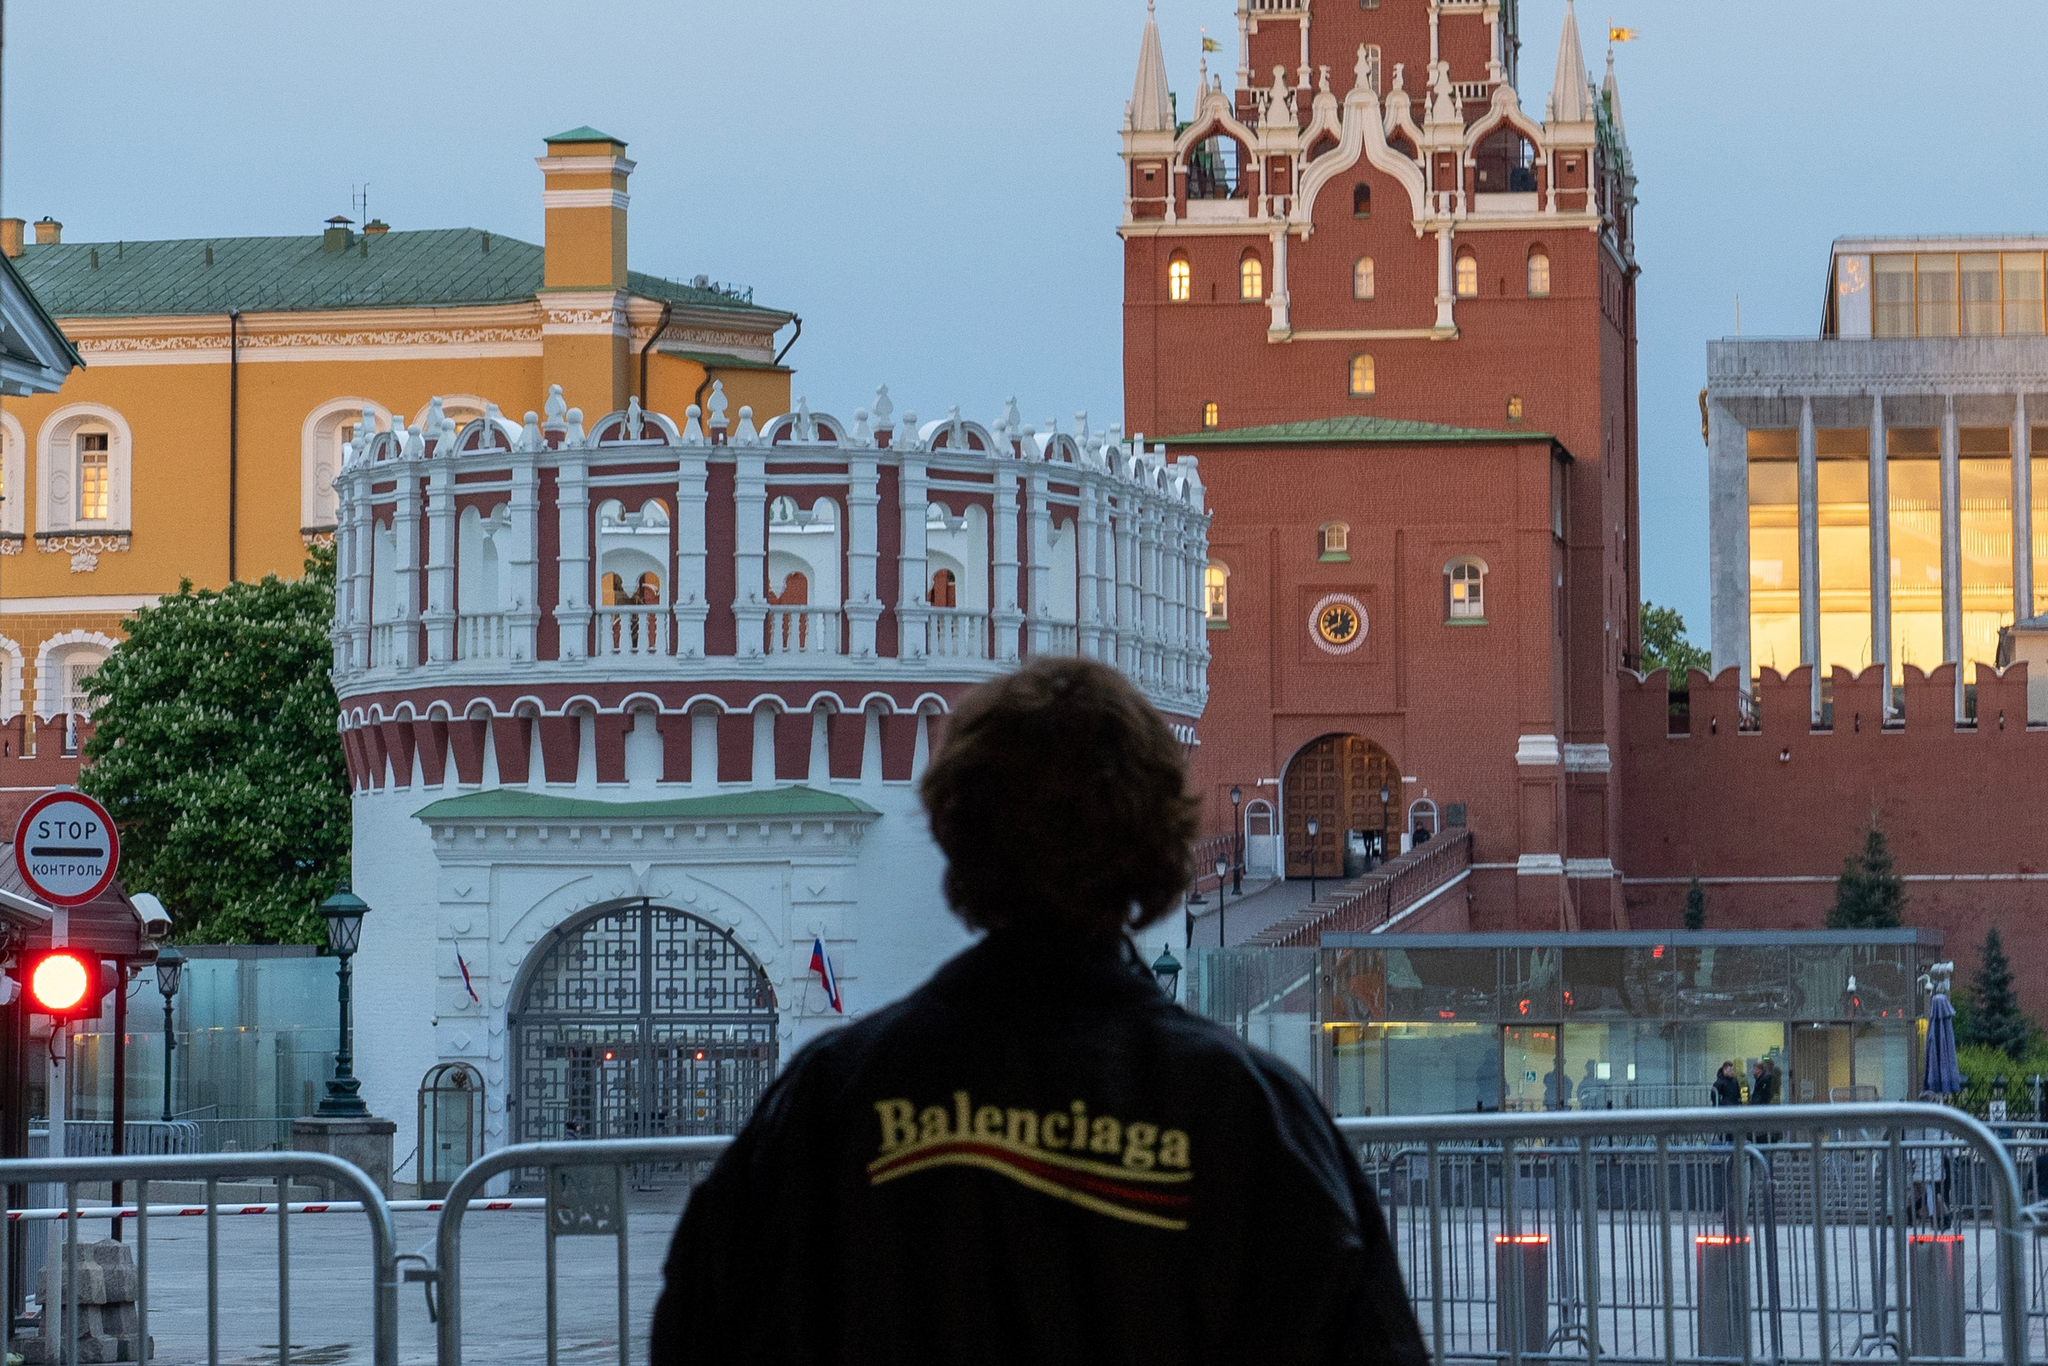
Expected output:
(637, 1022)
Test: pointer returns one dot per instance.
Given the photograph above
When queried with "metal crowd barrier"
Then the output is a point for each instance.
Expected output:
(586, 1196)
(1795, 1233)
(212, 1168)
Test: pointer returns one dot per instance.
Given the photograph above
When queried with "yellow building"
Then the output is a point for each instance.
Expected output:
(223, 375)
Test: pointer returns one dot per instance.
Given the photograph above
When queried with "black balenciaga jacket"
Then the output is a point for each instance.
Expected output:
(1034, 1158)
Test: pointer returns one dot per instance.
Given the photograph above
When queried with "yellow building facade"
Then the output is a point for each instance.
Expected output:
(222, 376)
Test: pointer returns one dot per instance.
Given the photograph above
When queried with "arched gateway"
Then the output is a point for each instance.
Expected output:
(1347, 783)
(640, 1020)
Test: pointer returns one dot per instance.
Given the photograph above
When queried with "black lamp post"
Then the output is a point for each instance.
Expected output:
(170, 969)
(1386, 821)
(1222, 902)
(1313, 827)
(344, 912)
(1236, 842)
(1166, 971)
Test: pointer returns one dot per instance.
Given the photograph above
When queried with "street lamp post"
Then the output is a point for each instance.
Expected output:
(1166, 971)
(1236, 844)
(1222, 867)
(170, 969)
(1313, 827)
(1386, 820)
(344, 912)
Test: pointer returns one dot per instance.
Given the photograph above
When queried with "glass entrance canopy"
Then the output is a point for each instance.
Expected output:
(1430, 1024)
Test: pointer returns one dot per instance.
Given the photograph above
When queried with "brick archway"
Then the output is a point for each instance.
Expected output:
(1338, 779)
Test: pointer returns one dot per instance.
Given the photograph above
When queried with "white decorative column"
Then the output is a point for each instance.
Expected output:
(1006, 618)
(750, 547)
(913, 496)
(1128, 640)
(572, 606)
(1038, 555)
(1446, 290)
(405, 526)
(863, 498)
(692, 607)
(524, 563)
(1087, 569)
(441, 587)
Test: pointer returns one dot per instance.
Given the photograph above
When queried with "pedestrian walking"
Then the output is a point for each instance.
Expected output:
(1036, 1156)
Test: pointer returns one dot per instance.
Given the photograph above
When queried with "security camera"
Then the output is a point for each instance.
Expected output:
(156, 921)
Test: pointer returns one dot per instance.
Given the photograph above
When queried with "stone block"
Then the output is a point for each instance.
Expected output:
(106, 1273)
(92, 1347)
(366, 1142)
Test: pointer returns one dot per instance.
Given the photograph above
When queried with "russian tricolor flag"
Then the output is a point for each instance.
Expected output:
(822, 965)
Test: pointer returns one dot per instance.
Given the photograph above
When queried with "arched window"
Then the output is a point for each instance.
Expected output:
(1333, 541)
(796, 590)
(1465, 590)
(613, 589)
(1216, 592)
(1179, 279)
(1514, 407)
(1468, 276)
(13, 477)
(1214, 166)
(1361, 278)
(1209, 416)
(327, 429)
(1361, 200)
(1539, 274)
(1251, 278)
(82, 470)
(945, 589)
(1364, 383)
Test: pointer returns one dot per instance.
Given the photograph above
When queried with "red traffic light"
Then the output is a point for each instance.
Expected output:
(64, 983)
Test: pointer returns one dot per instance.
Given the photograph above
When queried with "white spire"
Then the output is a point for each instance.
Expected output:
(1571, 93)
(1613, 93)
(1151, 110)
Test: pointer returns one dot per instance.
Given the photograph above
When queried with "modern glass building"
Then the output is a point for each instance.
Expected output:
(1435, 1024)
(1877, 491)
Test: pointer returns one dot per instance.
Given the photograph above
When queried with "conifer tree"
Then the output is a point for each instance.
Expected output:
(1869, 895)
(1995, 1017)
(1695, 906)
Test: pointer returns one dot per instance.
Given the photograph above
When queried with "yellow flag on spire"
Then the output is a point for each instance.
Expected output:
(1616, 34)
(1210, 44)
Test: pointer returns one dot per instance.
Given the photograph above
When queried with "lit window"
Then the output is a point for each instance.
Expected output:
(1361, 201)
(92, 476)
(1179, 280)
(1468, 277)
(1216, 591)
(1465, 581)
(1539, 274)
(1363, 382)
(1251, 278)
(1333, 541)
(1209, 415)
(1361, 278)
(1514, 407)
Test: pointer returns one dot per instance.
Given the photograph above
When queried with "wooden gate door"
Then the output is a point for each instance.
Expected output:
(1338, 780)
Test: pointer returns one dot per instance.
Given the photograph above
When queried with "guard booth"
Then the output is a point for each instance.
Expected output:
(451, 1125)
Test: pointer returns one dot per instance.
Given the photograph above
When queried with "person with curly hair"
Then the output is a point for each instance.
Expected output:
(1035, 1156)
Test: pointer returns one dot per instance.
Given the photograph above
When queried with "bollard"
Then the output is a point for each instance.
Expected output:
(1937, 1263)
(1523, 1257)
(1717, 1268)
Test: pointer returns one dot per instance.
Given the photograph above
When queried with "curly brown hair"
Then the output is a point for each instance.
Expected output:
(1060, 799)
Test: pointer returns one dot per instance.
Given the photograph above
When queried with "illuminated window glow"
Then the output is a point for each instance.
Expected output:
(1179, 280)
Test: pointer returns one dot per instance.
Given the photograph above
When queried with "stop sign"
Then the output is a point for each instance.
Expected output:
(66, 848)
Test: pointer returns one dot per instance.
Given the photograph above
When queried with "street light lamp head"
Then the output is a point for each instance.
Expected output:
(344, 912)
(1166, 971)
(170, 969)
(1313, 827)
(1222, 869)
(1236, 795)
(1386, 794)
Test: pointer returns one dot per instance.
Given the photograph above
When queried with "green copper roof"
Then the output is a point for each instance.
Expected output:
(1331, 430)
(585, 134)
(19, 347)
(719, 360)
(433, 267)
(776, 803)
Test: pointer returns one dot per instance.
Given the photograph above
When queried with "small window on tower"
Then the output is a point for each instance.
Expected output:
(1251, 278)
(1361, 201)
(1514, 407)
(1364, 383)
(92, 476)
(1179, 279)
(1539, 274)
(1468, 276)
(1361, 278)
(1216, 592)
(1209, 415)
(1333, 541)
(1465, 590)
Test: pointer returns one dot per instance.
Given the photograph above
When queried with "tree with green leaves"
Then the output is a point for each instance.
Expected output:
(214, 746)
(1995, 1017)
(1695, 906)
(1665, 645)
(1869, 895)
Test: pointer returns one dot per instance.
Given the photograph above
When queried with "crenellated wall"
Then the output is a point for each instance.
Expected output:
(1764, 813)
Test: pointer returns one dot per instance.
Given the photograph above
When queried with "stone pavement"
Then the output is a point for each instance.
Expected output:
(1261, 905)
(504, 1306)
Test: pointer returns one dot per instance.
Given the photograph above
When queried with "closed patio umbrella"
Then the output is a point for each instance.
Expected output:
(1943, 1077)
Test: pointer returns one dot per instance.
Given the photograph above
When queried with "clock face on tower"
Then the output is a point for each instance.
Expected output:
(1338, 624)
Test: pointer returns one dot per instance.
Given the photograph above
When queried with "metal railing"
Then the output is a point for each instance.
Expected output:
(585, 1197)
(1842, 1231)
(1366, 903)
(211, 1168)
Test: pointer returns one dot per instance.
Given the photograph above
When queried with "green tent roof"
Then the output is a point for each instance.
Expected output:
(1344, 430)
(426, 268)
(585, 134)
(778, 803)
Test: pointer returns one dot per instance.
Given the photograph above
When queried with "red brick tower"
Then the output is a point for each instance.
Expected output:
(1394, 316)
